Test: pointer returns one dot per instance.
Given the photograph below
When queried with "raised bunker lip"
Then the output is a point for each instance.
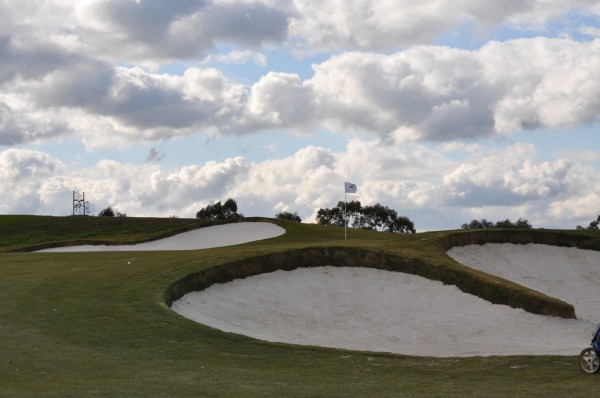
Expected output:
(206, 237)
(262, 311)
(492, 289)
(575, 239)
(522, 236)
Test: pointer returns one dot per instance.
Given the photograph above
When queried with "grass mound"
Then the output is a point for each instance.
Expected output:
(30, 233)
(89, 324)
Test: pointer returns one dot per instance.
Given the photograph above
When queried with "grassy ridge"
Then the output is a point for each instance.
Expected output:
(30, 233)
(488, 287)
(585, 239)
(87, 324)
(26, 232)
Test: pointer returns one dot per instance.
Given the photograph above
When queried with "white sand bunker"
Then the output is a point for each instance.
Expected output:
(372, 310)
(567, 273)
(201, 238)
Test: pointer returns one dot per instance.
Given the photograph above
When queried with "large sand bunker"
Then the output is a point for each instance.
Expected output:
(373, 310)
(201, 238)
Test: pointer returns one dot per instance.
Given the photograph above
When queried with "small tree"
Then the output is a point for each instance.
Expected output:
(478, 224)
(524, 224)
(376, 217)
(504, 224)
(220, 211)
(335, 215)
(379, 218)
(594, 225)
(403, 225)
(286, 215)
(210, 211)
(229, 209)
(108, 212)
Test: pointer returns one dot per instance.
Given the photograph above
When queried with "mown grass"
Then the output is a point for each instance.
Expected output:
(21, 231)
(88, 324)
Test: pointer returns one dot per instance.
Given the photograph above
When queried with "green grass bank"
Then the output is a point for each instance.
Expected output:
(89, 324)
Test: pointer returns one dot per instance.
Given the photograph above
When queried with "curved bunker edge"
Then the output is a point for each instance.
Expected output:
(488, 287)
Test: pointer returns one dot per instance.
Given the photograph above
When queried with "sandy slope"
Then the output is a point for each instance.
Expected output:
(373, 310)
(567, 273)
(201, 238)
(366, 309)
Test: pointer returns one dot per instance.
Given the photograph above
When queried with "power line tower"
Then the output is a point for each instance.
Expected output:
(80, 206)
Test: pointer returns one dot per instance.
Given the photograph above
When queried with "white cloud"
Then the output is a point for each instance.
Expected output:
(556, 84)
(368, 25)
(159, 31)
(590, 31)
(411, 178)
(91, 70)
(506, 178)
(24, 164)
(581, 208)
(445, 94)
(279, 100)
(22, 173)
(437, 93)
(120, 106)
(21, 122)
(146, 190)
(428, 93)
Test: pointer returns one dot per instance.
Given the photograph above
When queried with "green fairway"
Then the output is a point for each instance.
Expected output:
(89, 324)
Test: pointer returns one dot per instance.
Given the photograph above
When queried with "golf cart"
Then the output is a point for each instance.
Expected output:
(589, 359)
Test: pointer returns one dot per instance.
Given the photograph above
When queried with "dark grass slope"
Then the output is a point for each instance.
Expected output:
(585, 239)
(88, 324)
(30, 233)
(34, 232)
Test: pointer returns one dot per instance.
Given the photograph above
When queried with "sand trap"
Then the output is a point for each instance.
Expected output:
(372, 310)
(567, 273)
(201, 238)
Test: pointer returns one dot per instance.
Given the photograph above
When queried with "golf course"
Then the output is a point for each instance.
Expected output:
(99, 322)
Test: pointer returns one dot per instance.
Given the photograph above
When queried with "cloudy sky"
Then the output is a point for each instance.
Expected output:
(444, 110)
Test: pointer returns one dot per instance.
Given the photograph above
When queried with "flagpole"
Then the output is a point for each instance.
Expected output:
(348, 187)
(345, 217)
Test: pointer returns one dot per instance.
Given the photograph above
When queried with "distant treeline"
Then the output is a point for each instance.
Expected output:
(485, 224)
(593, 225)
(376, 217)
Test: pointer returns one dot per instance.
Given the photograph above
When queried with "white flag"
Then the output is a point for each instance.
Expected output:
(349, 187)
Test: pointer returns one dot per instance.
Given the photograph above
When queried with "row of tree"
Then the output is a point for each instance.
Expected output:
(376, 217)
(485, 224)
(594, 225)
(520, 223)
(109, 212)
(286, 215)
(229, 209)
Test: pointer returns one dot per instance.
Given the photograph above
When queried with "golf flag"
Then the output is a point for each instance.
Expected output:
(349, 187)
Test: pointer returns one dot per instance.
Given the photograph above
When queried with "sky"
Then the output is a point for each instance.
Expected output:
(443, 110)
